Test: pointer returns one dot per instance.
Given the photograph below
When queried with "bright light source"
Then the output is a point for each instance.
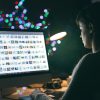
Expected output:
(58, 36)
(59, 41)
(54, 48)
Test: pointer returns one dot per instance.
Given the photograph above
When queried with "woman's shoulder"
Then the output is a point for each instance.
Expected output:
(91, 56)
(85, 57)
(89, 60)
(85, 61)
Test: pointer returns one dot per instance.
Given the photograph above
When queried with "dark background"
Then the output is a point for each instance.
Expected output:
(61, 18)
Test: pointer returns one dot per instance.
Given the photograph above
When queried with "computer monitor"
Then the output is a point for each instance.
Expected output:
(23, 58)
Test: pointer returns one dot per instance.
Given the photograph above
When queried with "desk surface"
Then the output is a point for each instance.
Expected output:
(24, 91)
(28, 92)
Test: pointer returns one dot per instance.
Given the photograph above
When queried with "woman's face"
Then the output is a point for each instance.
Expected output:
(85, 35)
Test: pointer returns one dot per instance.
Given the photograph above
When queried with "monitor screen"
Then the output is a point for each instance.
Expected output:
(22, 53)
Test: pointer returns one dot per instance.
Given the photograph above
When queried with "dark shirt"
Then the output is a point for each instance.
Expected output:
(85, 83)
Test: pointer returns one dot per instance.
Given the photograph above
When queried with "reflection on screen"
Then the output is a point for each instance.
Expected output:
(22, 52)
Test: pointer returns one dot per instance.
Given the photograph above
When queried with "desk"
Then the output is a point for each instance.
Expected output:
(27, 91)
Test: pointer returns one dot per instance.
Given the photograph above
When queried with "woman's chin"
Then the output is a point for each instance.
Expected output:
(87, 46)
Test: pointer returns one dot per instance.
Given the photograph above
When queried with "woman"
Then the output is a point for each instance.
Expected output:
(85, 83)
